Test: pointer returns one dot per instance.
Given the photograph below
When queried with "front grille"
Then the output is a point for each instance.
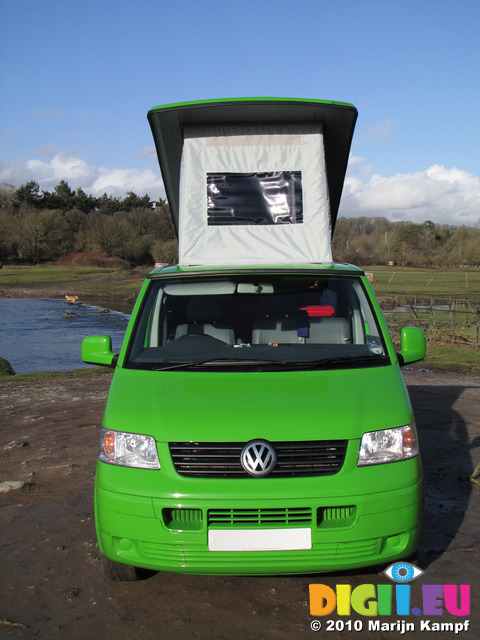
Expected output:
(259, 517)
(294, 459)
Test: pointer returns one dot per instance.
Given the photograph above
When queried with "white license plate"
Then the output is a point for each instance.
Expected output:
(259, 539)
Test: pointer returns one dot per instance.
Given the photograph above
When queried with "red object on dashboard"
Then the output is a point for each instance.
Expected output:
(319, 310)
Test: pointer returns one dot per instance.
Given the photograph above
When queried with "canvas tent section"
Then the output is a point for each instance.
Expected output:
(252, 195)
(253, 181)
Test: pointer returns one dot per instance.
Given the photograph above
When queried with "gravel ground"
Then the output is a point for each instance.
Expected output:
(51, 581)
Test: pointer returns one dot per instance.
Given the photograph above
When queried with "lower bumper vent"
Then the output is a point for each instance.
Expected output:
(259, 517)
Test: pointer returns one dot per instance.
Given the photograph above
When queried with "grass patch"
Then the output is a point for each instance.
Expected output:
(44, 274)
(87, 282)
(43, 376)
(452, 357)
(107, 281)
(440, 284)
(426, 282)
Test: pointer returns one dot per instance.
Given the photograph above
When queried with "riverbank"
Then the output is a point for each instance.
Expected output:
(52, 583)
(52, 281)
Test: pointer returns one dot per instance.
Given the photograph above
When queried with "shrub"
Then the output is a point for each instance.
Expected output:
(6, 368)
(94, 259)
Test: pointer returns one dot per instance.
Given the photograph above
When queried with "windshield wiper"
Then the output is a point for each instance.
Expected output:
(307, 364)
(214, 361)
(343, 360)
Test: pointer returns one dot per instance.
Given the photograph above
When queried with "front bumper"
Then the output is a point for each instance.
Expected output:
(347, 531)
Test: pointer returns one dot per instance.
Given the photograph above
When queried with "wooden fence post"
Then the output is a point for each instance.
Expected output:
(478, 324)
(453, 320)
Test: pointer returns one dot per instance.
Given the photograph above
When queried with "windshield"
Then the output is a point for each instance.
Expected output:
(264, 322)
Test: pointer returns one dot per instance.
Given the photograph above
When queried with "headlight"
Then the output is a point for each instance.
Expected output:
(128, 449)
(388, 445)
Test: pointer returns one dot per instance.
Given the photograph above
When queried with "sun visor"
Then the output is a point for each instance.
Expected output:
(254, 195)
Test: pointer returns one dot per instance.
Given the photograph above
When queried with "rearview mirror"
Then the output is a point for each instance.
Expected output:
(98, 350)
(413, 346)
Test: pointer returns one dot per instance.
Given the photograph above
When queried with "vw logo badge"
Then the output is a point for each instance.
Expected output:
(258, 458)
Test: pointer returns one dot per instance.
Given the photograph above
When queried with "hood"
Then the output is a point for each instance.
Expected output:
(180, 406)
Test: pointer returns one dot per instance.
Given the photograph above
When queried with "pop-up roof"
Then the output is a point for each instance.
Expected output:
(252, 181)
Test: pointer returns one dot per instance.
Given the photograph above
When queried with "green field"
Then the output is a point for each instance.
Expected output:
(389, 280)
(40, 274)
(87, 282)
(426, 282)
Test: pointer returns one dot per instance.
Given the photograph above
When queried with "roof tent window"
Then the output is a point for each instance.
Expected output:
(262, 198)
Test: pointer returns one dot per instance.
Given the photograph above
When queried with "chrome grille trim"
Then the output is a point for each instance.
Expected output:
(294, 458)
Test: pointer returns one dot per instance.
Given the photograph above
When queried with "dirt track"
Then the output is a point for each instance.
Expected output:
(51, 582)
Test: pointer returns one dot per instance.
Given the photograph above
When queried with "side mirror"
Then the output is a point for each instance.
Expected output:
(413, 346)
(98, 350)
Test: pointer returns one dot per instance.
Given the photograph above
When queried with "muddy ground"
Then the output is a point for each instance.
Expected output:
(51, 580)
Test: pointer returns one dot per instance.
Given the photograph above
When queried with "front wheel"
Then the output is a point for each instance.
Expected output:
(124, 572)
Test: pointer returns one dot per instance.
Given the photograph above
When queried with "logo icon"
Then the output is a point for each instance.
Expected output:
(403, 572)
(258, 458)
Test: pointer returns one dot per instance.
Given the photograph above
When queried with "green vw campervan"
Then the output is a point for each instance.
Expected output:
(257, 420)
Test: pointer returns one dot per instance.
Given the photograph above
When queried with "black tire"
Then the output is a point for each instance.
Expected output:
(124, 572)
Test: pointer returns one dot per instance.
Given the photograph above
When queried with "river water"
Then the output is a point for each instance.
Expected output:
(46, 335)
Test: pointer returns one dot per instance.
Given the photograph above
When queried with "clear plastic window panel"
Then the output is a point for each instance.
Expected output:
(268, 198)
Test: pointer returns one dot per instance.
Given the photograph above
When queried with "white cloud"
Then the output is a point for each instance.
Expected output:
(446, 196)
(61, 167)
(357, 168)
(379, 131)
(119, 181)
(78, 173)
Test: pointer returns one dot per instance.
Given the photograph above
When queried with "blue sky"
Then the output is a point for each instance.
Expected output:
(77, 79)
